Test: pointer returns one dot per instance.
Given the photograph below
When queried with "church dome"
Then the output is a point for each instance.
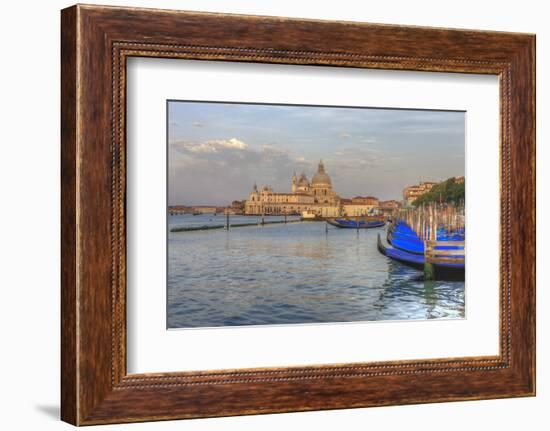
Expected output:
(321, 178)
(303, 182)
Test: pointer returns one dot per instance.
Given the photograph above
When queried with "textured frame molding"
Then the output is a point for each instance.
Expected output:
(96, 41)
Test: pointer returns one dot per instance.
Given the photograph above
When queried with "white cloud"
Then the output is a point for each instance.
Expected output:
(226, 169)
(213, 146)
(197, 124)
(233, 143)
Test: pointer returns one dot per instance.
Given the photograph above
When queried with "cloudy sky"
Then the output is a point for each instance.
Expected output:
(216, 151)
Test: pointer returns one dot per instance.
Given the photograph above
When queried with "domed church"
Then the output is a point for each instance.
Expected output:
(320, 187)
(316, 196)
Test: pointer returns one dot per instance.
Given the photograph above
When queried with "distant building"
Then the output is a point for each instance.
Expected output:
(411, 193)
(237, 207)
(204, 209)
(387, 207)
(311, 199)
(315, 197)
(330, 211)
(178, 209)
(365, 200)
(359, 209)
(391, 204)
(360, 206)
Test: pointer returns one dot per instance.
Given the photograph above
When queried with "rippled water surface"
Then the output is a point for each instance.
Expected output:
(293, 273)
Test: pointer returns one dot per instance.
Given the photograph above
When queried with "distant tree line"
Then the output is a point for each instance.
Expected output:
(446, 191)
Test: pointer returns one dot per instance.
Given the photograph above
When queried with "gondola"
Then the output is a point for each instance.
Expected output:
(355, 224)
(403, 238)
(411, 259)
(451, 271)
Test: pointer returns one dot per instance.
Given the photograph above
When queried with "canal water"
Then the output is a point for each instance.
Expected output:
(302, 272)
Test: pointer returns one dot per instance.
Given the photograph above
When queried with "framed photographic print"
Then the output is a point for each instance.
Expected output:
(264, 215)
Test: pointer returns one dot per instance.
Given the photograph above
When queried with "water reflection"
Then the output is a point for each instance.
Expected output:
(294, 273)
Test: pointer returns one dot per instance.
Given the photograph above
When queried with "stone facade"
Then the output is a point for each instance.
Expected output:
(387, 208)
(411, 193)
(354, 210)
(316, 197)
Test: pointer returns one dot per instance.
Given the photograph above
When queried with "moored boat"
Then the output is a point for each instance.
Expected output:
(411, 259)
(355, 224)
(444, 268)
(308, 215)
(402, 237)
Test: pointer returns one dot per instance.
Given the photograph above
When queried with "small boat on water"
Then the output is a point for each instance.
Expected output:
(355, 224)
(308, 215)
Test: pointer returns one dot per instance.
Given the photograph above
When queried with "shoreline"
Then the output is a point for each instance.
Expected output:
(223, 226)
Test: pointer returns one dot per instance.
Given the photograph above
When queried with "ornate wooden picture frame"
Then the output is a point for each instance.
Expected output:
(96, 41)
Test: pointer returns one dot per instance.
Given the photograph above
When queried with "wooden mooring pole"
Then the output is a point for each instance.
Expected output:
(429, 270)
(425, 220)
(429, 241)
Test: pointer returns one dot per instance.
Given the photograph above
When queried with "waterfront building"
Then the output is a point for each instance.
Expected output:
(392, 203)
(411, 193)
(359, 206)
(178, 209)
(237, 207)
(204, 209)
(330, 211)
(387, 208)
(359, 209)
(365, 200)
(316, 197)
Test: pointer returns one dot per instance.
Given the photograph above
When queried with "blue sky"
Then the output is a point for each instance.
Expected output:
(216, 151)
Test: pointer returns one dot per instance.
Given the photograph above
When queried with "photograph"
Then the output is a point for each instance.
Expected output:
(282, 214)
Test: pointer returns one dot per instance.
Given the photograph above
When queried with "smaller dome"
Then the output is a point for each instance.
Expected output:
(303, 181)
